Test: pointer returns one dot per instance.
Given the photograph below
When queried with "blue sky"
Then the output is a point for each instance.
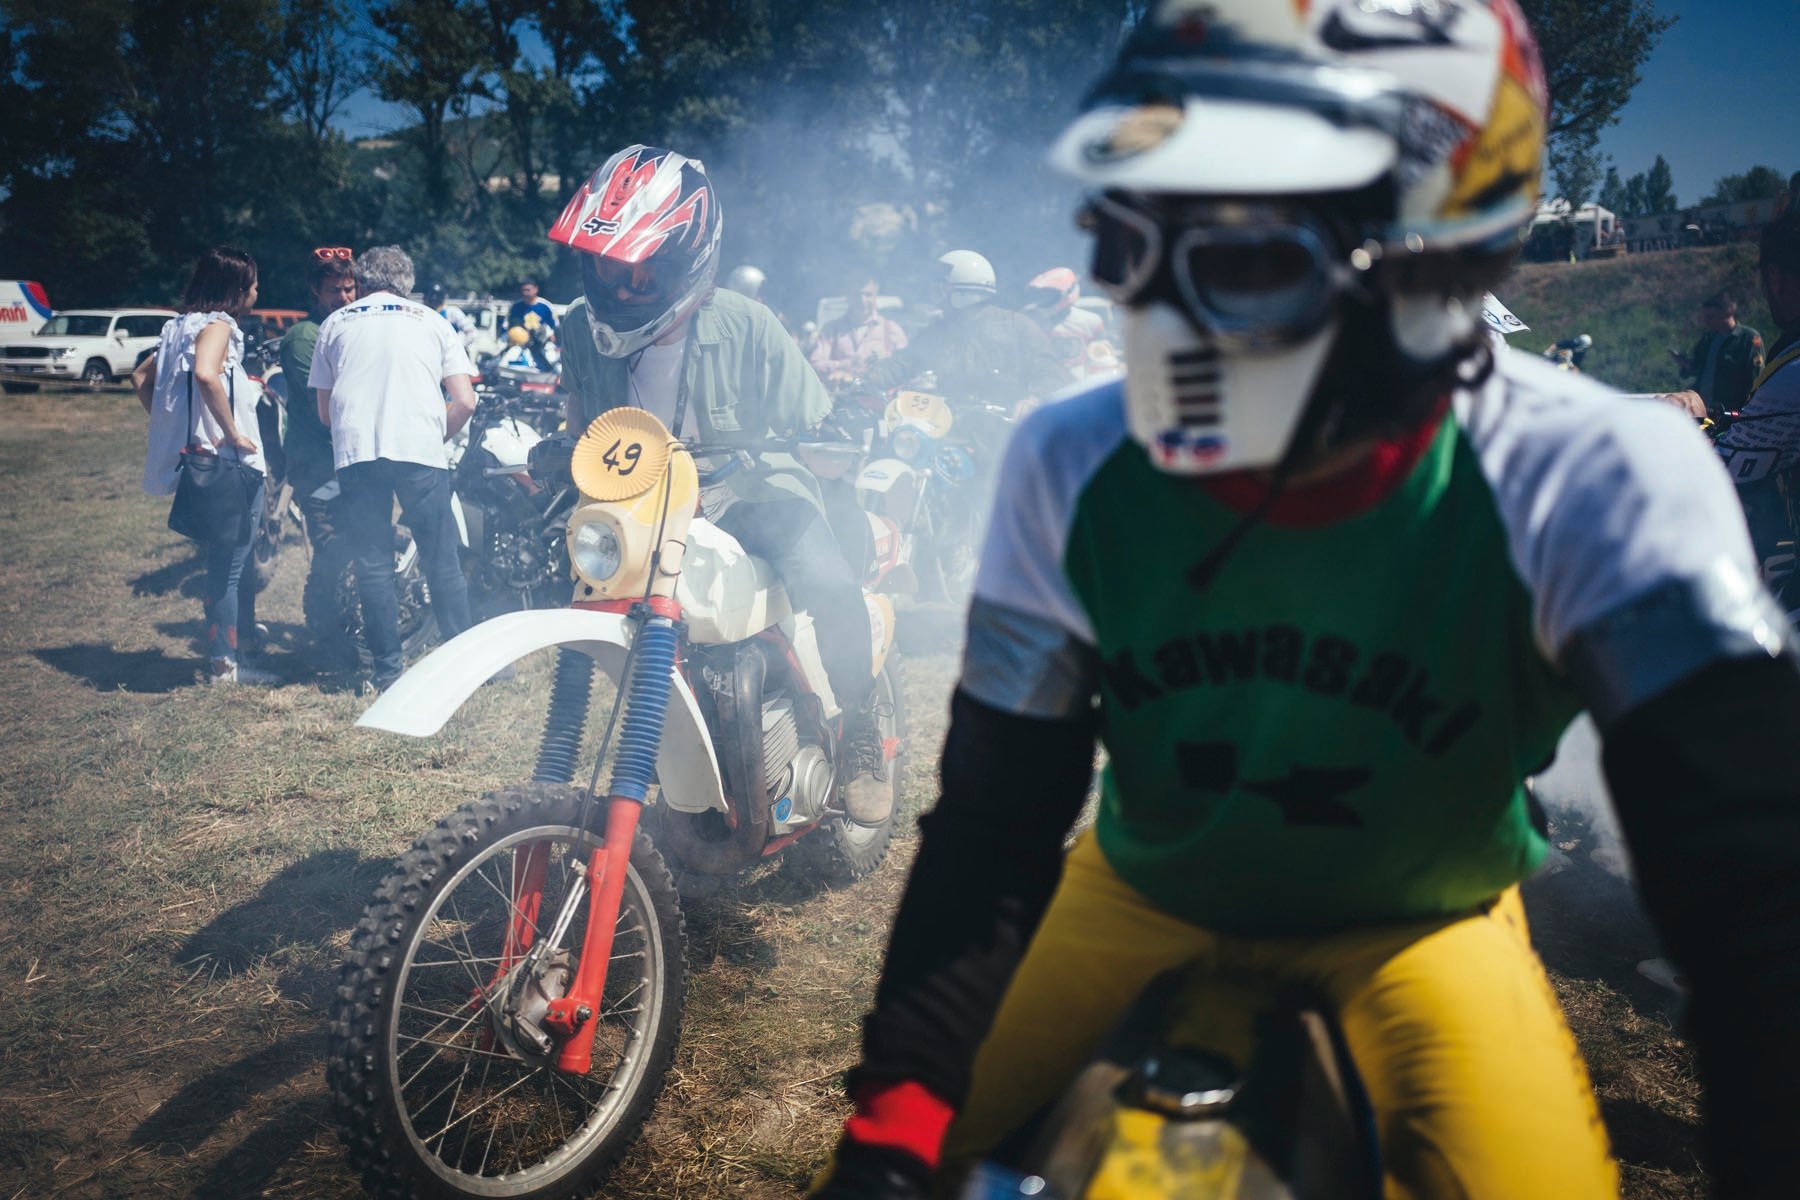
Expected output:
(1720, 95)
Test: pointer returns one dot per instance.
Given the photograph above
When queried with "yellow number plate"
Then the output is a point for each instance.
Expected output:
(622, 454)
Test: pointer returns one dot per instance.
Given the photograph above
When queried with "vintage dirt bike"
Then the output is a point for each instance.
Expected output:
(1209, 1088)
(931, 472)
(513, 994)
(509, 526)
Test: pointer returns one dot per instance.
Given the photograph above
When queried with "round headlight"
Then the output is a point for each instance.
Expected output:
(595, 551)
(908, 444)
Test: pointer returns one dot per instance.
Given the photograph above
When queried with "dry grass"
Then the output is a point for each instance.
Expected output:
(179, 867)
(1636, 308)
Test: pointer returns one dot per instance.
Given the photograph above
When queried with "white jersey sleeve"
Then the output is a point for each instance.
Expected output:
(1030, 644)
(1624, 527)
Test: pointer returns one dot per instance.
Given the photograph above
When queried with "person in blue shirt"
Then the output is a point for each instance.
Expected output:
(528, 302)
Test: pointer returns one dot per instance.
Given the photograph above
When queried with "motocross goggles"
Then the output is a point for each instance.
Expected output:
(1255, 275)
(626, 296)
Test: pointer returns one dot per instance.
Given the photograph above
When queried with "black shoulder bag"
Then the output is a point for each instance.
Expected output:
(212, 492)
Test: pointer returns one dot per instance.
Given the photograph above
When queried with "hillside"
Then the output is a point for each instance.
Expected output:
(1636, 308)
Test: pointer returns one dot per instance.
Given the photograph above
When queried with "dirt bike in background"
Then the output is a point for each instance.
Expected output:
(931, 470)
(512, 997)
(280, 521)
(509, 524)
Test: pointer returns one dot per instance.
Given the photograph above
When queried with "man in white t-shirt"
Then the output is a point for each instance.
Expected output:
(381, 369)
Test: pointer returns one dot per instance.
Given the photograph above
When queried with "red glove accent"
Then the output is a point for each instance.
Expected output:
(900, 1116)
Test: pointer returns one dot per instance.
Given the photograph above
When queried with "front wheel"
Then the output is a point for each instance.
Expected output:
(440, 1084)
(96, 373)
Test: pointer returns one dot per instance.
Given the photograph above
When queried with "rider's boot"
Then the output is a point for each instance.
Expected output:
(869, 796)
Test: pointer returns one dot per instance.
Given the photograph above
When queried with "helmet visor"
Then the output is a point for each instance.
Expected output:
(626, 296)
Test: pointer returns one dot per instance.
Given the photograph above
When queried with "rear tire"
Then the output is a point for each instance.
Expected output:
(840, 851)
(416, 1057)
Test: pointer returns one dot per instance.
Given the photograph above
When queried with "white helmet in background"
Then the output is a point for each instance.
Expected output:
(967, 279)
(1282, 194)
(746, 280)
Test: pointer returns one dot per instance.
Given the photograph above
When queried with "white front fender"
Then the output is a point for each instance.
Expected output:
(422, 699)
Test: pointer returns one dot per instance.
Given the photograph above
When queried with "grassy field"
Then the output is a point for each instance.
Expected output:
(179, 868)
(1635, 308)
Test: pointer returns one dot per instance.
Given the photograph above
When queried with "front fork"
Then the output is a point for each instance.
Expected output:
(573, 1017)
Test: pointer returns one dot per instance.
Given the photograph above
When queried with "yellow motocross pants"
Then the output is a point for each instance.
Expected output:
(1476, 1083)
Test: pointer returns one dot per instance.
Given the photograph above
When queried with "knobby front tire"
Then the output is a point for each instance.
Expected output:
(429, 1102)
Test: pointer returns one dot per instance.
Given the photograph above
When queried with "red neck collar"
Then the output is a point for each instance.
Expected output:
(1350, 493)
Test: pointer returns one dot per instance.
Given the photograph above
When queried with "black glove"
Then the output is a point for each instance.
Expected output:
(860, 1172)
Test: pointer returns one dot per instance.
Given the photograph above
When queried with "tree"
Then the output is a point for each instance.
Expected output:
(1592, 52)
(154, 124)
(1575, 163)
(1659, 188)
(320, 66)
(1612, 192)
(1758, 183)
(431, 62)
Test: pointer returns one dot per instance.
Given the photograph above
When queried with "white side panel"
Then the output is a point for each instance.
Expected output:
(726, 593)
(436, 686)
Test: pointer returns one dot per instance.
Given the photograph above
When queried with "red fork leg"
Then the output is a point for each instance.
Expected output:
(576, 1015)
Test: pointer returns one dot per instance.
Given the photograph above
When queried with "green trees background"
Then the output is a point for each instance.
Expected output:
(143, 131)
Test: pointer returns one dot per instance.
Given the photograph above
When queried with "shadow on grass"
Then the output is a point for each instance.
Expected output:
(304, 906)
(109, 670)
(184, 575)
(1647, 1137)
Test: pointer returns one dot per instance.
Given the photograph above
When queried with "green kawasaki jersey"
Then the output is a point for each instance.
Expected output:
(1333, 730)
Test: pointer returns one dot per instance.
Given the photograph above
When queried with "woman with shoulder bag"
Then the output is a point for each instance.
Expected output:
(204, 447)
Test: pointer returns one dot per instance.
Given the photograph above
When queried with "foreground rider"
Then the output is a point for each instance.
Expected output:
(1325, 601)
(651, 331)
(979, 349)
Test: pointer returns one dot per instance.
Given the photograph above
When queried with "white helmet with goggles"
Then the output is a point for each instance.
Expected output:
(1277, 184)
(647, 224)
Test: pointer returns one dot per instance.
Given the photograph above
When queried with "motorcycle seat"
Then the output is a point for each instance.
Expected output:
(726, 593)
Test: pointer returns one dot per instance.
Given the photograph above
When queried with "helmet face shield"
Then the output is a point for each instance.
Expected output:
(628, 296)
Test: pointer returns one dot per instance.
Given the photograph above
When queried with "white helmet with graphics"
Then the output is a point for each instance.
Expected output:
(1298, 207)
(966, 279)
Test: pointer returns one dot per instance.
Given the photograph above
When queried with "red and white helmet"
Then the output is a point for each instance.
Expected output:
(1054, 292)
(648, 224)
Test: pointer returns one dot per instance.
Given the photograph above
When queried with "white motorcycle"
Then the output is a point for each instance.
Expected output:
(513, 993)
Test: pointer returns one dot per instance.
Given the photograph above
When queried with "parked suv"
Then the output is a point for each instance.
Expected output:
(94, 345)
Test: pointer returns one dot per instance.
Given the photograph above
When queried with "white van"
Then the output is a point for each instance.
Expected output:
(23, 309)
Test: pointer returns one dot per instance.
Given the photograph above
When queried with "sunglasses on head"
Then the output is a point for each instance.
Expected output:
(327, 253)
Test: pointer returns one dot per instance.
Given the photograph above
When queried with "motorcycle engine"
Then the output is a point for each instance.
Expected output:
(801, 777)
